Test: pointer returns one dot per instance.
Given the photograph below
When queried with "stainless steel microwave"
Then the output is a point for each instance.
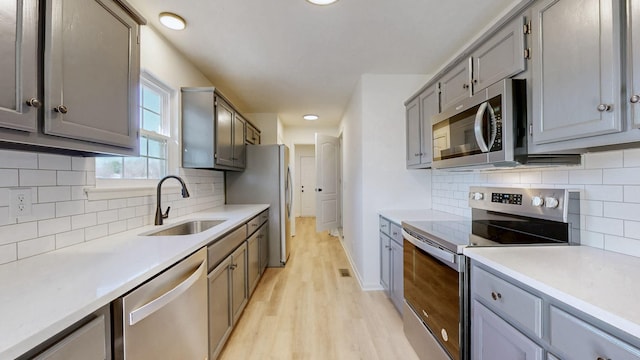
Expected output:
(488, 129)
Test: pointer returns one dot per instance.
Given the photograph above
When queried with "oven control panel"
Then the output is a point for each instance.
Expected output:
(552, 204)
(504, 198)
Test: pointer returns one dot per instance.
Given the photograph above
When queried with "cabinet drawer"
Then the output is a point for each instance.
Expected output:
(253, 225)
(264, 217)
(220, 248)
(576, 339)
(499, 295)
(396, 233)
(384, 225)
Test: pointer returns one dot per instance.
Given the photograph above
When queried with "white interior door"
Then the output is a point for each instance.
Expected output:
(327, 171)
(307, 185)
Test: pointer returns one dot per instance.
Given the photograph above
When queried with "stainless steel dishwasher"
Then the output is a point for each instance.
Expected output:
(166, 317)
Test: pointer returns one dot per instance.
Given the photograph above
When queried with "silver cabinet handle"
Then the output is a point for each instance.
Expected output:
(635, 99)
(61, 109)
(604, 107)
(465, 86)
(33, 102)
(140, 313)
(233, 266)
(495, 295)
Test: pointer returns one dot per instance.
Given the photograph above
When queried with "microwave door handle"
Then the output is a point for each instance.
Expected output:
(477, 127)
(494, 127)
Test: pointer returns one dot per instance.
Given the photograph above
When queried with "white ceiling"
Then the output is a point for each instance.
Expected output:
(291, 57)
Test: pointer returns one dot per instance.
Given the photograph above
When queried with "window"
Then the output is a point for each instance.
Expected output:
(155, 126)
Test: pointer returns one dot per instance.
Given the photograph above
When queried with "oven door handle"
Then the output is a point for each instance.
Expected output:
(442, 255)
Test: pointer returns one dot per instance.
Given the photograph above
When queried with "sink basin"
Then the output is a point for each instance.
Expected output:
(186, 228)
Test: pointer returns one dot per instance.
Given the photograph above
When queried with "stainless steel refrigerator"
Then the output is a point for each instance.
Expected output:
(266, 180)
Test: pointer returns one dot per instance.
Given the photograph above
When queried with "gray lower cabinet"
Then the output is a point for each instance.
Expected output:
(19, 63)
(213, 132)
(263, 240)
(253, 262)
(419, 141)
(239, 286)
(76, 90)
(220, 319)
(493, 338)
(506, 323)
(391, 274)
(89, 339)
(576, 71)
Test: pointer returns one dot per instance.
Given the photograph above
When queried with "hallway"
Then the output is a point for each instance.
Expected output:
(308, 311)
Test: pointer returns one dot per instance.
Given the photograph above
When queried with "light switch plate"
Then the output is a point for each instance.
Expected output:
(21, 203)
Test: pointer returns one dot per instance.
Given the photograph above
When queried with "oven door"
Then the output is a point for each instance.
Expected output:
(434, 289)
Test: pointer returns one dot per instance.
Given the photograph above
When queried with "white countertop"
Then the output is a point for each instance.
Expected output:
(43, 295)
(603, 284)
(399, 215)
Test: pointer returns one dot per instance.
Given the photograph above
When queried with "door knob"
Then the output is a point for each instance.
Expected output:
(604, 107)
(33, 102)
(635, 99)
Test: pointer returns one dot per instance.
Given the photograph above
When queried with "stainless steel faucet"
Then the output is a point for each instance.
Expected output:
(159, 214)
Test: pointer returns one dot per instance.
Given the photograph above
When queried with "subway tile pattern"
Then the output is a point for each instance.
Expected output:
(62, 215)
(611, 191)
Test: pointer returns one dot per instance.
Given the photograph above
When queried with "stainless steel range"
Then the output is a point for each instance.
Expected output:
(436, 275)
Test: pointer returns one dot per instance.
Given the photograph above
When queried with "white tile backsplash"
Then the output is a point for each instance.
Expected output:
(63, 216)
(611, 192)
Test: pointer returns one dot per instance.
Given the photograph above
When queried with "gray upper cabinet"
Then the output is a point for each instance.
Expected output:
(419, 112)
(213, 132)
(239, 146)
(634, 62)
(91, 72)
(413, 133)
(75, 87)
(252, 135)
(19, 76)
(499, 57)
(576, 70)
(224, 133)
(455, 85)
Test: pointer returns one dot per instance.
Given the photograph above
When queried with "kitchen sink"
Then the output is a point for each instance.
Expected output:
(186, 228)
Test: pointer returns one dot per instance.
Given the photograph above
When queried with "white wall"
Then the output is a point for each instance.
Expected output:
(269, 125)
(375, 176)
(62, 214)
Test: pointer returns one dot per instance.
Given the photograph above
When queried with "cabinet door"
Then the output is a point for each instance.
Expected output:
(253, 268)
(634, 62)
(224, 133)
(429, 106)
(493, 338)
(397, 288)
(576, 69)
(500, 57)
(413, 133)
(87, 343)
(18, 61)
(91, 72)
(239, 147)
(239, 289)
(220, 319)
(454, 85)
(385, 263)
(263, 239)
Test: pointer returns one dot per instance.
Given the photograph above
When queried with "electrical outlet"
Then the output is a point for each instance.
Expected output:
(20, 202)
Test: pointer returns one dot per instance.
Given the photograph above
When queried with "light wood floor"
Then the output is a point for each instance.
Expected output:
(308, 311)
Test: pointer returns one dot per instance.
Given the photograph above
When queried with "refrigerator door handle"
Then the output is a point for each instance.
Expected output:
(289, 192)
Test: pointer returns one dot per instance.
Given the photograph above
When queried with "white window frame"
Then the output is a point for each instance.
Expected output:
(169, 130)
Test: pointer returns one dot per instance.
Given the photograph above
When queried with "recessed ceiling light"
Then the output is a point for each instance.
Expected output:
(311, 117)
(322, 2)
(172, 21)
